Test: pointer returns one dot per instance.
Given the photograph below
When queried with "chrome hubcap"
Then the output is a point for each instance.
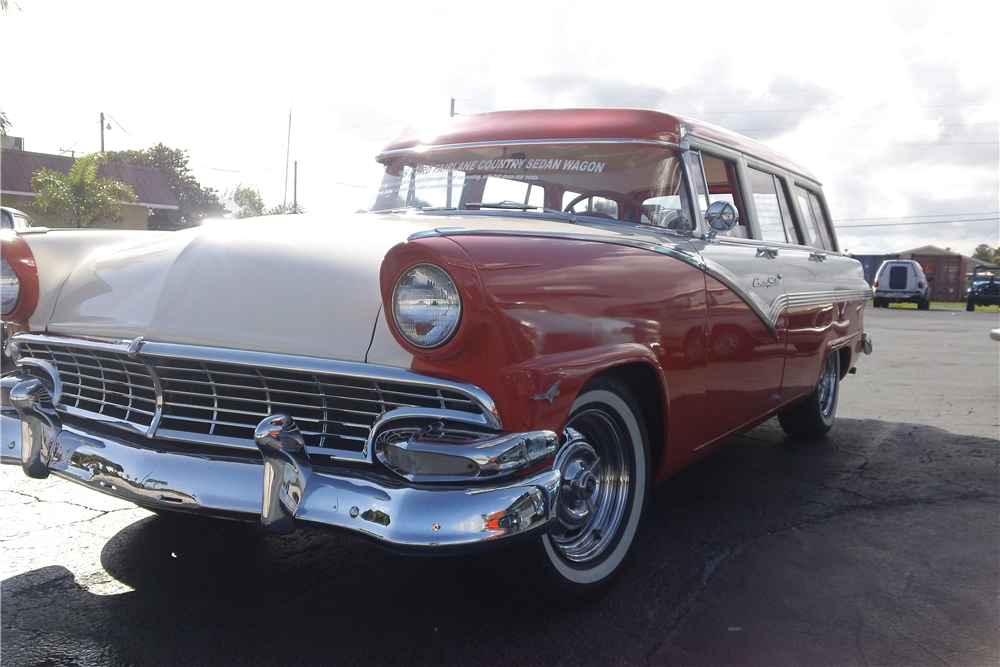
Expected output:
(828, 385)
(594, 493)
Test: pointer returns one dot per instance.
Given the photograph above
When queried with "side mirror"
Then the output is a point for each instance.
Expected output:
(721, 217)
(930, 279)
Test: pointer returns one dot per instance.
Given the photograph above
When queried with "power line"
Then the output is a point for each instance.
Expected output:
(905, 224)
(911, 217)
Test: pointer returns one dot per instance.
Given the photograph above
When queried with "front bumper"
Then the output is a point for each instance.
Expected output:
(280, 489)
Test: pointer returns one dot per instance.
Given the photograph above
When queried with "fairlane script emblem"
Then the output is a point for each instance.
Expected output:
(770, 281)
(549, 395)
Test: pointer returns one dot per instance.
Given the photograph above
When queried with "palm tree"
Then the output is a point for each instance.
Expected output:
(79, 197)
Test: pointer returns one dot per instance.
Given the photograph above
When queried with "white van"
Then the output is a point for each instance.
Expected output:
(901, 281)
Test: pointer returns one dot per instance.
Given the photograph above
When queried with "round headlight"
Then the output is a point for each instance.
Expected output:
(426, 305)
(10, 288)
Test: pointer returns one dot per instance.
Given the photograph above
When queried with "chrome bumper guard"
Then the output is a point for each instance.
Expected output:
(285, 492)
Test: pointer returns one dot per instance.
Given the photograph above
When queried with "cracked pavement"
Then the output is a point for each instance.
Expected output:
(877, 545)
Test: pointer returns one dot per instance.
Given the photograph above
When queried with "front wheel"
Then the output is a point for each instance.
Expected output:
(605, 488)
(814, 417)
(970, 306)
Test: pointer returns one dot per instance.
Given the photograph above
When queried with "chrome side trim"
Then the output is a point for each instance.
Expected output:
(423, 148)
(675, 250)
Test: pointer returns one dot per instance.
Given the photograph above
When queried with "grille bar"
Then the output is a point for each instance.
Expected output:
(221, 401)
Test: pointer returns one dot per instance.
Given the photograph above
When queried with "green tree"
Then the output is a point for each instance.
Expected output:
(987, 253)
(80, 198)
(249, 200)
(252, 205)
(195, 202)
(286, 209)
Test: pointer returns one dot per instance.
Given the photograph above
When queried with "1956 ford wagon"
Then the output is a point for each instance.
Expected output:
(544, 313)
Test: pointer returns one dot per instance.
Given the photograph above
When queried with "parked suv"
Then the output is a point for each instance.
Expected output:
(984, 289)
(901, 281)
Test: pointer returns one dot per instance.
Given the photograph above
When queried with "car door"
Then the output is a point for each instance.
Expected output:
(745, 294)
(821, 287)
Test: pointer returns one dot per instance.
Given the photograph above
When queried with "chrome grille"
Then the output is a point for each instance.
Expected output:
(108, 384)
(223, 402)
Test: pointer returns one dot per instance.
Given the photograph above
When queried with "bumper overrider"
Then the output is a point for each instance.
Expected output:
(282, 489)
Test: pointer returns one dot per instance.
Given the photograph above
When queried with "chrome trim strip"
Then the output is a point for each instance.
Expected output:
(425, 148)
(675, 250)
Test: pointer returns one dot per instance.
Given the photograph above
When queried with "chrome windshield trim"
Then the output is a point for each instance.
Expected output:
(528, 142)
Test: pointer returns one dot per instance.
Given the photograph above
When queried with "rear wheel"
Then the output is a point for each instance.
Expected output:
(813, 418)
(605, 487)
(924, 304)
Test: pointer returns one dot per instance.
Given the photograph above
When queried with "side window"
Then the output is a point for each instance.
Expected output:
(8, 220)
(815, 226)
(717, 181)
(771, 204)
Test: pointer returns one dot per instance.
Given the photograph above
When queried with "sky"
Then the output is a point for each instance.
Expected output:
(894, 106)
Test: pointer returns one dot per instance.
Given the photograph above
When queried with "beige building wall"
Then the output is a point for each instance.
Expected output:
(133, 216)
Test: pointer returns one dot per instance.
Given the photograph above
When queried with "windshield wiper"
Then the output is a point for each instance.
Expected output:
(508, 205)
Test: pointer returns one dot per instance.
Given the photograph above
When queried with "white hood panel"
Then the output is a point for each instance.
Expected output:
(283, 284)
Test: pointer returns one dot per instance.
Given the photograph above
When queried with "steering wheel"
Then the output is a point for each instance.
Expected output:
(617, 197)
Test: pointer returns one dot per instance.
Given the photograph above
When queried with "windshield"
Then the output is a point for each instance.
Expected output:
(619, 181)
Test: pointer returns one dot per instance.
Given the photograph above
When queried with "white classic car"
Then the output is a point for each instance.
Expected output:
(545, 313)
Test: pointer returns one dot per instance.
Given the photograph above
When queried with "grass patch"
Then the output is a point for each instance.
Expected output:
(942, 305)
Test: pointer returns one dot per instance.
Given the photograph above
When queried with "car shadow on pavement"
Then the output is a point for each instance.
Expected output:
(876, 544)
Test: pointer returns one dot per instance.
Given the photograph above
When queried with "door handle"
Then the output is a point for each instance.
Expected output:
(767, 251)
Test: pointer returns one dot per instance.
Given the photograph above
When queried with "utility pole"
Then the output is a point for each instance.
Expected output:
(288, 152)
(102, 131)
(295, 188)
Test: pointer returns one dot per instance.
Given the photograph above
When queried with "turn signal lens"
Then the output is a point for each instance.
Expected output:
(426, 305)
(427, 464)
(10, 288)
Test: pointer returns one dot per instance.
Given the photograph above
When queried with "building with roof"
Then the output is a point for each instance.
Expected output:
(148, 184)
(948, 270)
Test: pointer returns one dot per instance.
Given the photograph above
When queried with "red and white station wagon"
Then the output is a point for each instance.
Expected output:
(545, 313)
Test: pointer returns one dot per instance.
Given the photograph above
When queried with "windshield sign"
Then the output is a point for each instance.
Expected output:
(626, 182)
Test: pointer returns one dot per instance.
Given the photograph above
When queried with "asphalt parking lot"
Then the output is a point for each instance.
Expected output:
(879, 545)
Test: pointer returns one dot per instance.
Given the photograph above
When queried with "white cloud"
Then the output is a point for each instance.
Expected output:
(894, 106)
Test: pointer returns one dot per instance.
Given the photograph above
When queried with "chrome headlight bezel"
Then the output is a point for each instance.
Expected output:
(10, 288)
(426, 306)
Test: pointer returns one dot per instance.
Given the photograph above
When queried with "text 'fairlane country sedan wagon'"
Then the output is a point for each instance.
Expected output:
(545, 313)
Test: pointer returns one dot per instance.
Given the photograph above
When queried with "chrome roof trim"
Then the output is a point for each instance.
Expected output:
(528, 142)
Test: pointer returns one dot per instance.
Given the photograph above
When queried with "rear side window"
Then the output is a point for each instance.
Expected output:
(815, 226)
(769, 200)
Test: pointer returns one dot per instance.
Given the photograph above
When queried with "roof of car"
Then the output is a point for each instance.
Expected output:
(541, 124)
